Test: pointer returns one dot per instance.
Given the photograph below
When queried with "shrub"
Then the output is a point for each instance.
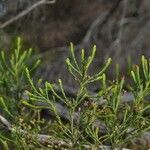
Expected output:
(92, 120)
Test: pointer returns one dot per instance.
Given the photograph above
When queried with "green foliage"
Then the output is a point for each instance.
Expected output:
(13, 83)
(92, 119)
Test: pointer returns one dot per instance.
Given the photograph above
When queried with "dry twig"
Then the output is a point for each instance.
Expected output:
(25, 12)
(99, 22)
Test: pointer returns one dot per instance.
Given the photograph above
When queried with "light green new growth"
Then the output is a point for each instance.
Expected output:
(90, 120)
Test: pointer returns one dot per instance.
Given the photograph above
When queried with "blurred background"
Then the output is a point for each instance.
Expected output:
(119, 28)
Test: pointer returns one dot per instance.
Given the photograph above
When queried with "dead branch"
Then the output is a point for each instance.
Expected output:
(99, 22)
(25, 12)
(117, 43)
(5, 122)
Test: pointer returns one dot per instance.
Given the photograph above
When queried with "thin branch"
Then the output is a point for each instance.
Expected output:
(99, 22)
(5, 122)
(25, 12)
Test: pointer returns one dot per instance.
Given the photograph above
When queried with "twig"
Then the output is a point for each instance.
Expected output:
(25, 12)
(99, 22)
(5, 122)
